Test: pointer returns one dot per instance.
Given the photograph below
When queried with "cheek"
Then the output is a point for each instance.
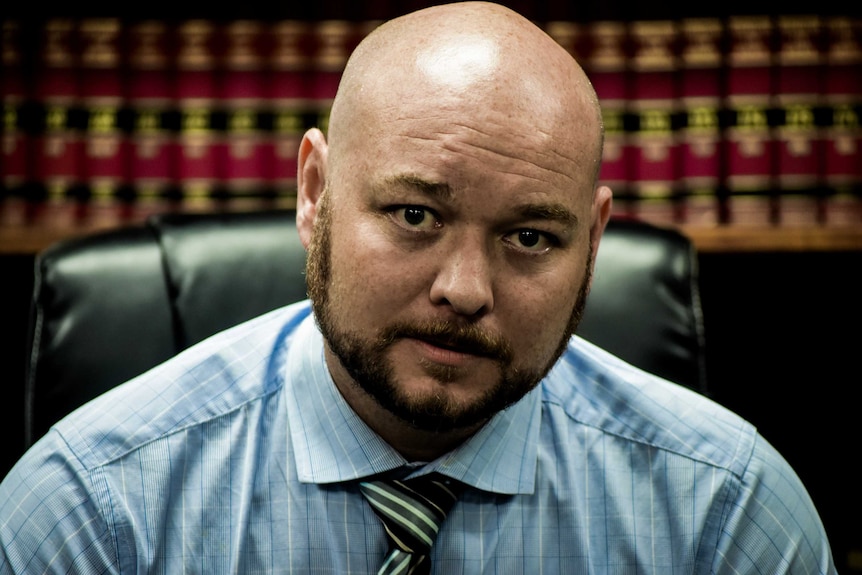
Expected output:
(369, 273)
(539, 312)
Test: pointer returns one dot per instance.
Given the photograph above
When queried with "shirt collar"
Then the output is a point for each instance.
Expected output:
(332, 444)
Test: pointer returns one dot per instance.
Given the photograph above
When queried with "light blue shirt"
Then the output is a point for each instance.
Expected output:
(240, 456)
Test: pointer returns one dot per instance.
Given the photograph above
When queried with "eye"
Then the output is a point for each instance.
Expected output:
(415, 218)
(531, 241)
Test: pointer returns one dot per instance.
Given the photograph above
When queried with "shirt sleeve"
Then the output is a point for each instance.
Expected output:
(771, 525)
(49, 519)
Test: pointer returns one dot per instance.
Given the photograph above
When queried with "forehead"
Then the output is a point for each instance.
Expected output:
(475, 77)
(484, 151)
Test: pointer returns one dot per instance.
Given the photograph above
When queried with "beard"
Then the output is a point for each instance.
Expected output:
(365, 359)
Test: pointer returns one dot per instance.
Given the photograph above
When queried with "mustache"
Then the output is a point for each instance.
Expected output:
(463, 338)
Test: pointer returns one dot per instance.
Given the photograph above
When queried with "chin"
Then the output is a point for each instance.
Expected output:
(438, 405)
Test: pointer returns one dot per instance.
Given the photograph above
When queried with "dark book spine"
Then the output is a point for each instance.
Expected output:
(700, 134)
(334, 40)
(151, 100)
(750, 139)
(605, 61)
(16, 140)
(106, 147)
(842, 162)
(799, 139)
(653, 102)
(571, 36)
(290, 100)
(200, 146)
(246, 171)
(58, 144)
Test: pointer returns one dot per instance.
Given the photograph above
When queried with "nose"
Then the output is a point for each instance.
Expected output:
(464, 280)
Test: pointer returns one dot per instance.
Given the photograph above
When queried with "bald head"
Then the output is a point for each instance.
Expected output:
(469, 62)
(456, 190)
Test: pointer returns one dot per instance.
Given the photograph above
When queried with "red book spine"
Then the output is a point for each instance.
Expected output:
(246, 170)
(290, 69)
(152, 158)
(199, 146)
(290, 63)
(106, 147)
(14, 166)
(334, 40)
(749, 137)
(58, 147)
(605, 63)
(700, 136)
(798, 137)
(654, 151)
(842, 163)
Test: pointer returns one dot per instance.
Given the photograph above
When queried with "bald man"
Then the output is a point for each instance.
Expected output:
(429, 408)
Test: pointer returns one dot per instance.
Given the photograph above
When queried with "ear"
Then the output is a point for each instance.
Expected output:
(600, 213)
(310, 181)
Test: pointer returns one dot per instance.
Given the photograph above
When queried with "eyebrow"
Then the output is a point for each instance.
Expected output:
(552, 212)
(443, 191)
(439, 190)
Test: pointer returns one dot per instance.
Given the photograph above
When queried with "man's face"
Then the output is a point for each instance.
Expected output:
(448, 270)
(446, 352)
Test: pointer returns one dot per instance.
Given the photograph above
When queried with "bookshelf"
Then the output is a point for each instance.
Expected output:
(741, 128)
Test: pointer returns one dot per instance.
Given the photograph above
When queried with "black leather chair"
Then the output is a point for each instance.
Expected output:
(109, 306)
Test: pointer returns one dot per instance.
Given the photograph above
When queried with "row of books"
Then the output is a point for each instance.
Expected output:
(742, 120)
(716, 120)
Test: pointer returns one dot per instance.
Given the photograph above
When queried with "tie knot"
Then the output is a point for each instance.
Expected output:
(412, 511)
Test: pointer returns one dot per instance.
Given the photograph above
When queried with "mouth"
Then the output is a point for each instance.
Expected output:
(440, 343)
(445, 353)
(459, 346)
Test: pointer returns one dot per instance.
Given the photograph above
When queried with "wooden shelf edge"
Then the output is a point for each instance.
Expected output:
(23, 234)
(774, 239)
(26, 240)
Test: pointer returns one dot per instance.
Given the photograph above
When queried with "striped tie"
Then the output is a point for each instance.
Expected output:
(412, 512)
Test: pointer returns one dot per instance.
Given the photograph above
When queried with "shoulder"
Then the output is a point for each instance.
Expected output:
(658, 434)
(211, 379)
(47, 517)
(74, 495)
(590, 387)
(772, 521)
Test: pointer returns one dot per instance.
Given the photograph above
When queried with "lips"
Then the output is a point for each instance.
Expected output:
(447, 343)
(445, 354)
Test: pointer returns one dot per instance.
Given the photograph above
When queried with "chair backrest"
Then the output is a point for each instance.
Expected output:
(110, 306)
(644, 305)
